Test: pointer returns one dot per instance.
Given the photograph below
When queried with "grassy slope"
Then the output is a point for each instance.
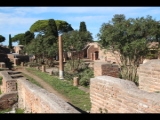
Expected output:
(77, 97)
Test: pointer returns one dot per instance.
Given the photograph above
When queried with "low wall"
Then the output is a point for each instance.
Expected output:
(149, 75)
(7, 100)
(9, 81)
(114, 95)
(37, 100)
(104, 68)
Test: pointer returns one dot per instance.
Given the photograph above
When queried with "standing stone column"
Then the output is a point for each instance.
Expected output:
(22, 64)
(43, 68)
(60, 58)
(75, 81)
(51, 72)
(37, 67)
(15, 60)
(2, 65)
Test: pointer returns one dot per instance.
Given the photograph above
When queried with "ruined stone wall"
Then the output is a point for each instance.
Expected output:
(114, 95)
(37, 100)
(104, 68)
(149, 75)
(23, 58)
(106, 55)
(9, 81)
(10, 56)
(7, 100)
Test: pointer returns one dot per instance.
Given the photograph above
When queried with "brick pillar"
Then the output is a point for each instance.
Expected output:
(22, 64)
(103, 68)
(37, 67)
(16, 61)
(2, 65)
(51, 72)
(43, 68)
(75, 81)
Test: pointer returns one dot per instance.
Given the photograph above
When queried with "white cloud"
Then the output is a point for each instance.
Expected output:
(16, 20)
(77, 10)
(88, 18)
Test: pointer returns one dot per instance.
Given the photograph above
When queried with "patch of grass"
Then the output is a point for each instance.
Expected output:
(18, 110)
(76, 96)
(32, 80)
(1, 80)
(3, 111)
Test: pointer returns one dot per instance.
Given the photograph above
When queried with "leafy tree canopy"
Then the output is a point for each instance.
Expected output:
(130, 38)
(2, 38)
(17, 38)
(76, 40)
(40, 26)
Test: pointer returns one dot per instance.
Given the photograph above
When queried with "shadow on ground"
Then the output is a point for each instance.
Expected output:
(81, 111)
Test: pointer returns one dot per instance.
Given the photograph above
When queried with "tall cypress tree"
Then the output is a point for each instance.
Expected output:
(10, 42)
(82, 27)
(28, 37)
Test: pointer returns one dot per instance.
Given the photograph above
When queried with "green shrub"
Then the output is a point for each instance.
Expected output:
(32, 64)
(3, 111)
(18, 110)
(85, 76)
(1, 80)
(80, 70)
(74, 66)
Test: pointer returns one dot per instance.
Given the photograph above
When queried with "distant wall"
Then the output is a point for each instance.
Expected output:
(106, 55)
(10, 56)
(149, 75)
(37, 100)
(114, 95)
(104, 68)
(91, 50)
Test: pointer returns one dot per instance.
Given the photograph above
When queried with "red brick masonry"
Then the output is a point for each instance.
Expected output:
(114, 95)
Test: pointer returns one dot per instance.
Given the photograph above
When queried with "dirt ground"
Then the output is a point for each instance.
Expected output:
(43, 84)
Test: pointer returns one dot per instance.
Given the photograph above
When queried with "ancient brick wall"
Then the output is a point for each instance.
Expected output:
(21, 58)
(10, 56)
(7, 100)
(9, 81)
(92, 49)
(149, 75)
(104, 68)
(37, 100)
(114, 95)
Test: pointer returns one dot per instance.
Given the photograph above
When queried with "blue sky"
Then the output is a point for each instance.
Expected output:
(15, 20)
